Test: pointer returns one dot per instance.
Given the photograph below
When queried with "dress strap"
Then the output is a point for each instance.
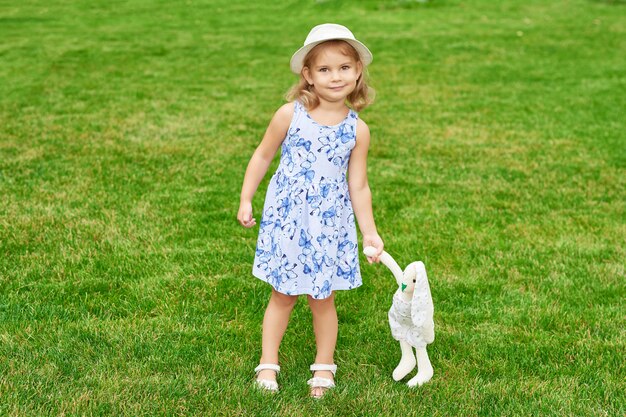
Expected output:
(298, 111)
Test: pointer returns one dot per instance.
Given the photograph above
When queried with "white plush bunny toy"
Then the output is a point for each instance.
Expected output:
(410, 318)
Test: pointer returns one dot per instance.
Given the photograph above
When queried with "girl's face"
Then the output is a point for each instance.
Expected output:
(333, 74)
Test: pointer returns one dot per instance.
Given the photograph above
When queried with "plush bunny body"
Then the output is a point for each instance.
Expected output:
(411, 319)
(411, 316)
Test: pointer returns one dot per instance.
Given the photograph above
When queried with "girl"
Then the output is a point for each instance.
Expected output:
(307, 239)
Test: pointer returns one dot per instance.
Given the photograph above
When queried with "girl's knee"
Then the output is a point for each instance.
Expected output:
(321, 304)
(284, 300)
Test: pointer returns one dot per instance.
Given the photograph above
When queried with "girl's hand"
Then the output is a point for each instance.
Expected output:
(245, 215)
(375, 241)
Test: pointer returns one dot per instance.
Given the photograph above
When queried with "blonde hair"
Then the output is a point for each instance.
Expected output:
(360, 98)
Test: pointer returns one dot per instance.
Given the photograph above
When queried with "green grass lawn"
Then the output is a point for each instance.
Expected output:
(498, 157)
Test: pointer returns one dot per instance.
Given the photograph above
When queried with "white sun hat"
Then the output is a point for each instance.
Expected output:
(327, 32)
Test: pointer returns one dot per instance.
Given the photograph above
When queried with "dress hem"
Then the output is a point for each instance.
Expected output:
(303, 291)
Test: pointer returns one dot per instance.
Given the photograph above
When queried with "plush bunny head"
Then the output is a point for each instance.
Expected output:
(422, 308)
(408, 279)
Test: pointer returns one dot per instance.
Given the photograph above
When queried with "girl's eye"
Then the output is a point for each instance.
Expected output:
(345, 67)
(323, 69)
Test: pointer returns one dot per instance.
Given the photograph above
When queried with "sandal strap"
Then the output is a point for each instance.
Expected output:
(319, 382)
(324, 367)
(267, 384)
(264, 366)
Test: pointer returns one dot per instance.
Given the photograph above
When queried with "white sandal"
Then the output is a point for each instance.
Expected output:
(319, 382)
(267, 384)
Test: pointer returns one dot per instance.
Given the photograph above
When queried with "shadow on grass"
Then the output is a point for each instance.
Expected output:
(22, 20)
(611, 2)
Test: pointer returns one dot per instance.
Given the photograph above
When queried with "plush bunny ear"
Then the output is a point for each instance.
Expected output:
(388, 261)
(422, 308)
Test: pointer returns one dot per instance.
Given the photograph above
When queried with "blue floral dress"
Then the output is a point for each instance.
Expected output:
(307, 237)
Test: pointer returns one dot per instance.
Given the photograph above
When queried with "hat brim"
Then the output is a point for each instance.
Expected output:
(297, 60)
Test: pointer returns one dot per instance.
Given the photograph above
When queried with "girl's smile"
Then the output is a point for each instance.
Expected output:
(333, 74)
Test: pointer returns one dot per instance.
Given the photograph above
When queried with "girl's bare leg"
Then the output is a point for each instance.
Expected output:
(325, 326)
(274, 325)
